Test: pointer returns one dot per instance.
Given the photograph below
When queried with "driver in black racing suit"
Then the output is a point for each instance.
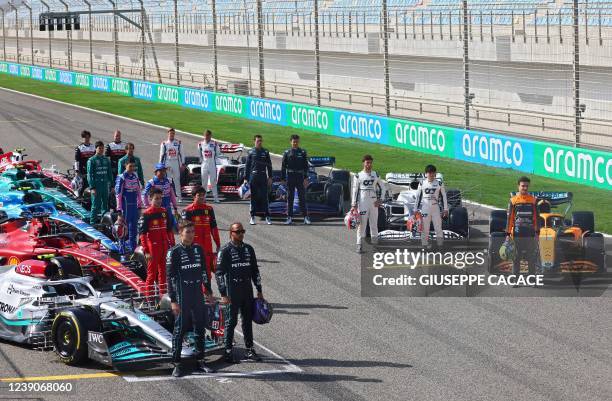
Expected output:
(236, 268)
(186, 273)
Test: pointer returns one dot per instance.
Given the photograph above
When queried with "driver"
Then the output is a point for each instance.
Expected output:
(428, 197)
(365, 199)
(522, 225)
(171, 155)
(127, 190)
(82, 153)
(209, 151)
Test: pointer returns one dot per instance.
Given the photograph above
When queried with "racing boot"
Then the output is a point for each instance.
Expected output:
(229, 357)
(251, 355)
(178, 371)
(203, 368)
(359, 249)
(307, 220)
(252, 221)
(268, 220)
(289, 221)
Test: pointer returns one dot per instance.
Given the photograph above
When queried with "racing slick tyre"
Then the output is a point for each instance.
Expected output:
(69, 333)
(343, 178)
(334, 197)
(495, 242)
(31, 198)
(453, 196)
(584, 220)
(107, 222)
(594, 251)
(67, 267)
(497, 221)
(458, 221)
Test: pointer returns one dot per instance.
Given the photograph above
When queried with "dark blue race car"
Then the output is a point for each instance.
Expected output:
(326, 195)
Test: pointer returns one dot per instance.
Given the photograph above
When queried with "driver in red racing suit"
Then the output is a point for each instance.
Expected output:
(156, 236)
(203, 218)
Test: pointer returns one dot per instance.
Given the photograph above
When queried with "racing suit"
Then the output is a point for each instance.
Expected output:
(127, 191)
(115, 151)
(427, 200)
(82, 153)
(125, 160)
(171, 154)
(186, 278)
(236, 269)
(169, 200)
(294, 170)
(208, 158)
(364, 198)
(100, 178)
(258, 169)
(156, 236)
(203, 217)
(521, 225)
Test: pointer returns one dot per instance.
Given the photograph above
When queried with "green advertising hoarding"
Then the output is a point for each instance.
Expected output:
(233, 105)
(167, 94)
(317, 119)
(424, 138)
(582, 166)
(121, 86)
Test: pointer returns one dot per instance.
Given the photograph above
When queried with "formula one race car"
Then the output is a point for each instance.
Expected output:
(326, 194)
(34, 190)
(398, 218)
(563, 245)
(47, 304)
(18, 168)
(230, 171)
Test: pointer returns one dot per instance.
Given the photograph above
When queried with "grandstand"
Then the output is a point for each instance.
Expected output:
(520, 56)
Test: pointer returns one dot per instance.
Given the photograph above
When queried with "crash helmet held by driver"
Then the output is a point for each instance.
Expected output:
(506, 251)
(262, 311)
(77, 183)
(352, 220)
(244, 191)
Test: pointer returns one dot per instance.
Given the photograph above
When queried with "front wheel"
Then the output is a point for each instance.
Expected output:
(69, 333)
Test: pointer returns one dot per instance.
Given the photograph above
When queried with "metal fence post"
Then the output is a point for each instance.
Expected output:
(177, 59)
(317, 55)
(48, 35)
(31, 33)
(386, 56)
(16, 30)
(115, 37)
(262, 79)
(68, 37)
(466, 67)
(214, 45)
(576, 65)
(90, 28)
(143, 42)
(3, 36)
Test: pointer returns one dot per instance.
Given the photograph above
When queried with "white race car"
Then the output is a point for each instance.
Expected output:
(49, 305)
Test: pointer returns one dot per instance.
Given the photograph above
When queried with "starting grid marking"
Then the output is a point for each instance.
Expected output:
(150, 376)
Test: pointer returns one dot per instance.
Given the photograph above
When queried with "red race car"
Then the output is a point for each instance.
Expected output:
(21, 239)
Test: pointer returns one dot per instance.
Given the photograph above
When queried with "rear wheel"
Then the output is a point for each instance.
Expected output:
(140, 268)
(69, 333)
(584, 220)
(453, 196)
(497, 221)
(458, 221)
(343, 178)
(495, 242)
(67, 267)
(334, 198)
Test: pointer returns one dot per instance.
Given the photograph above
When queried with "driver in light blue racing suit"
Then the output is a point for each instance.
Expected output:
(127, 190)
(167, 187)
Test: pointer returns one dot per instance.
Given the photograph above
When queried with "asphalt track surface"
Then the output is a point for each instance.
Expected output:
(326, 342)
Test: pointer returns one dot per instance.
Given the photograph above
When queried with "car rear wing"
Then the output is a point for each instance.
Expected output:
(555, 198)
(231, 147)
(322, 161)
(408, 178)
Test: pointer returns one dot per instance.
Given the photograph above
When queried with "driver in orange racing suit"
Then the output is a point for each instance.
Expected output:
(203, 218)
(521, 225)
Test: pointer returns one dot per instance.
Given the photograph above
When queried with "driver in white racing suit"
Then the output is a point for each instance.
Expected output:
(209, 151)
(366, 199)
(428, 196)
(171, 155)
